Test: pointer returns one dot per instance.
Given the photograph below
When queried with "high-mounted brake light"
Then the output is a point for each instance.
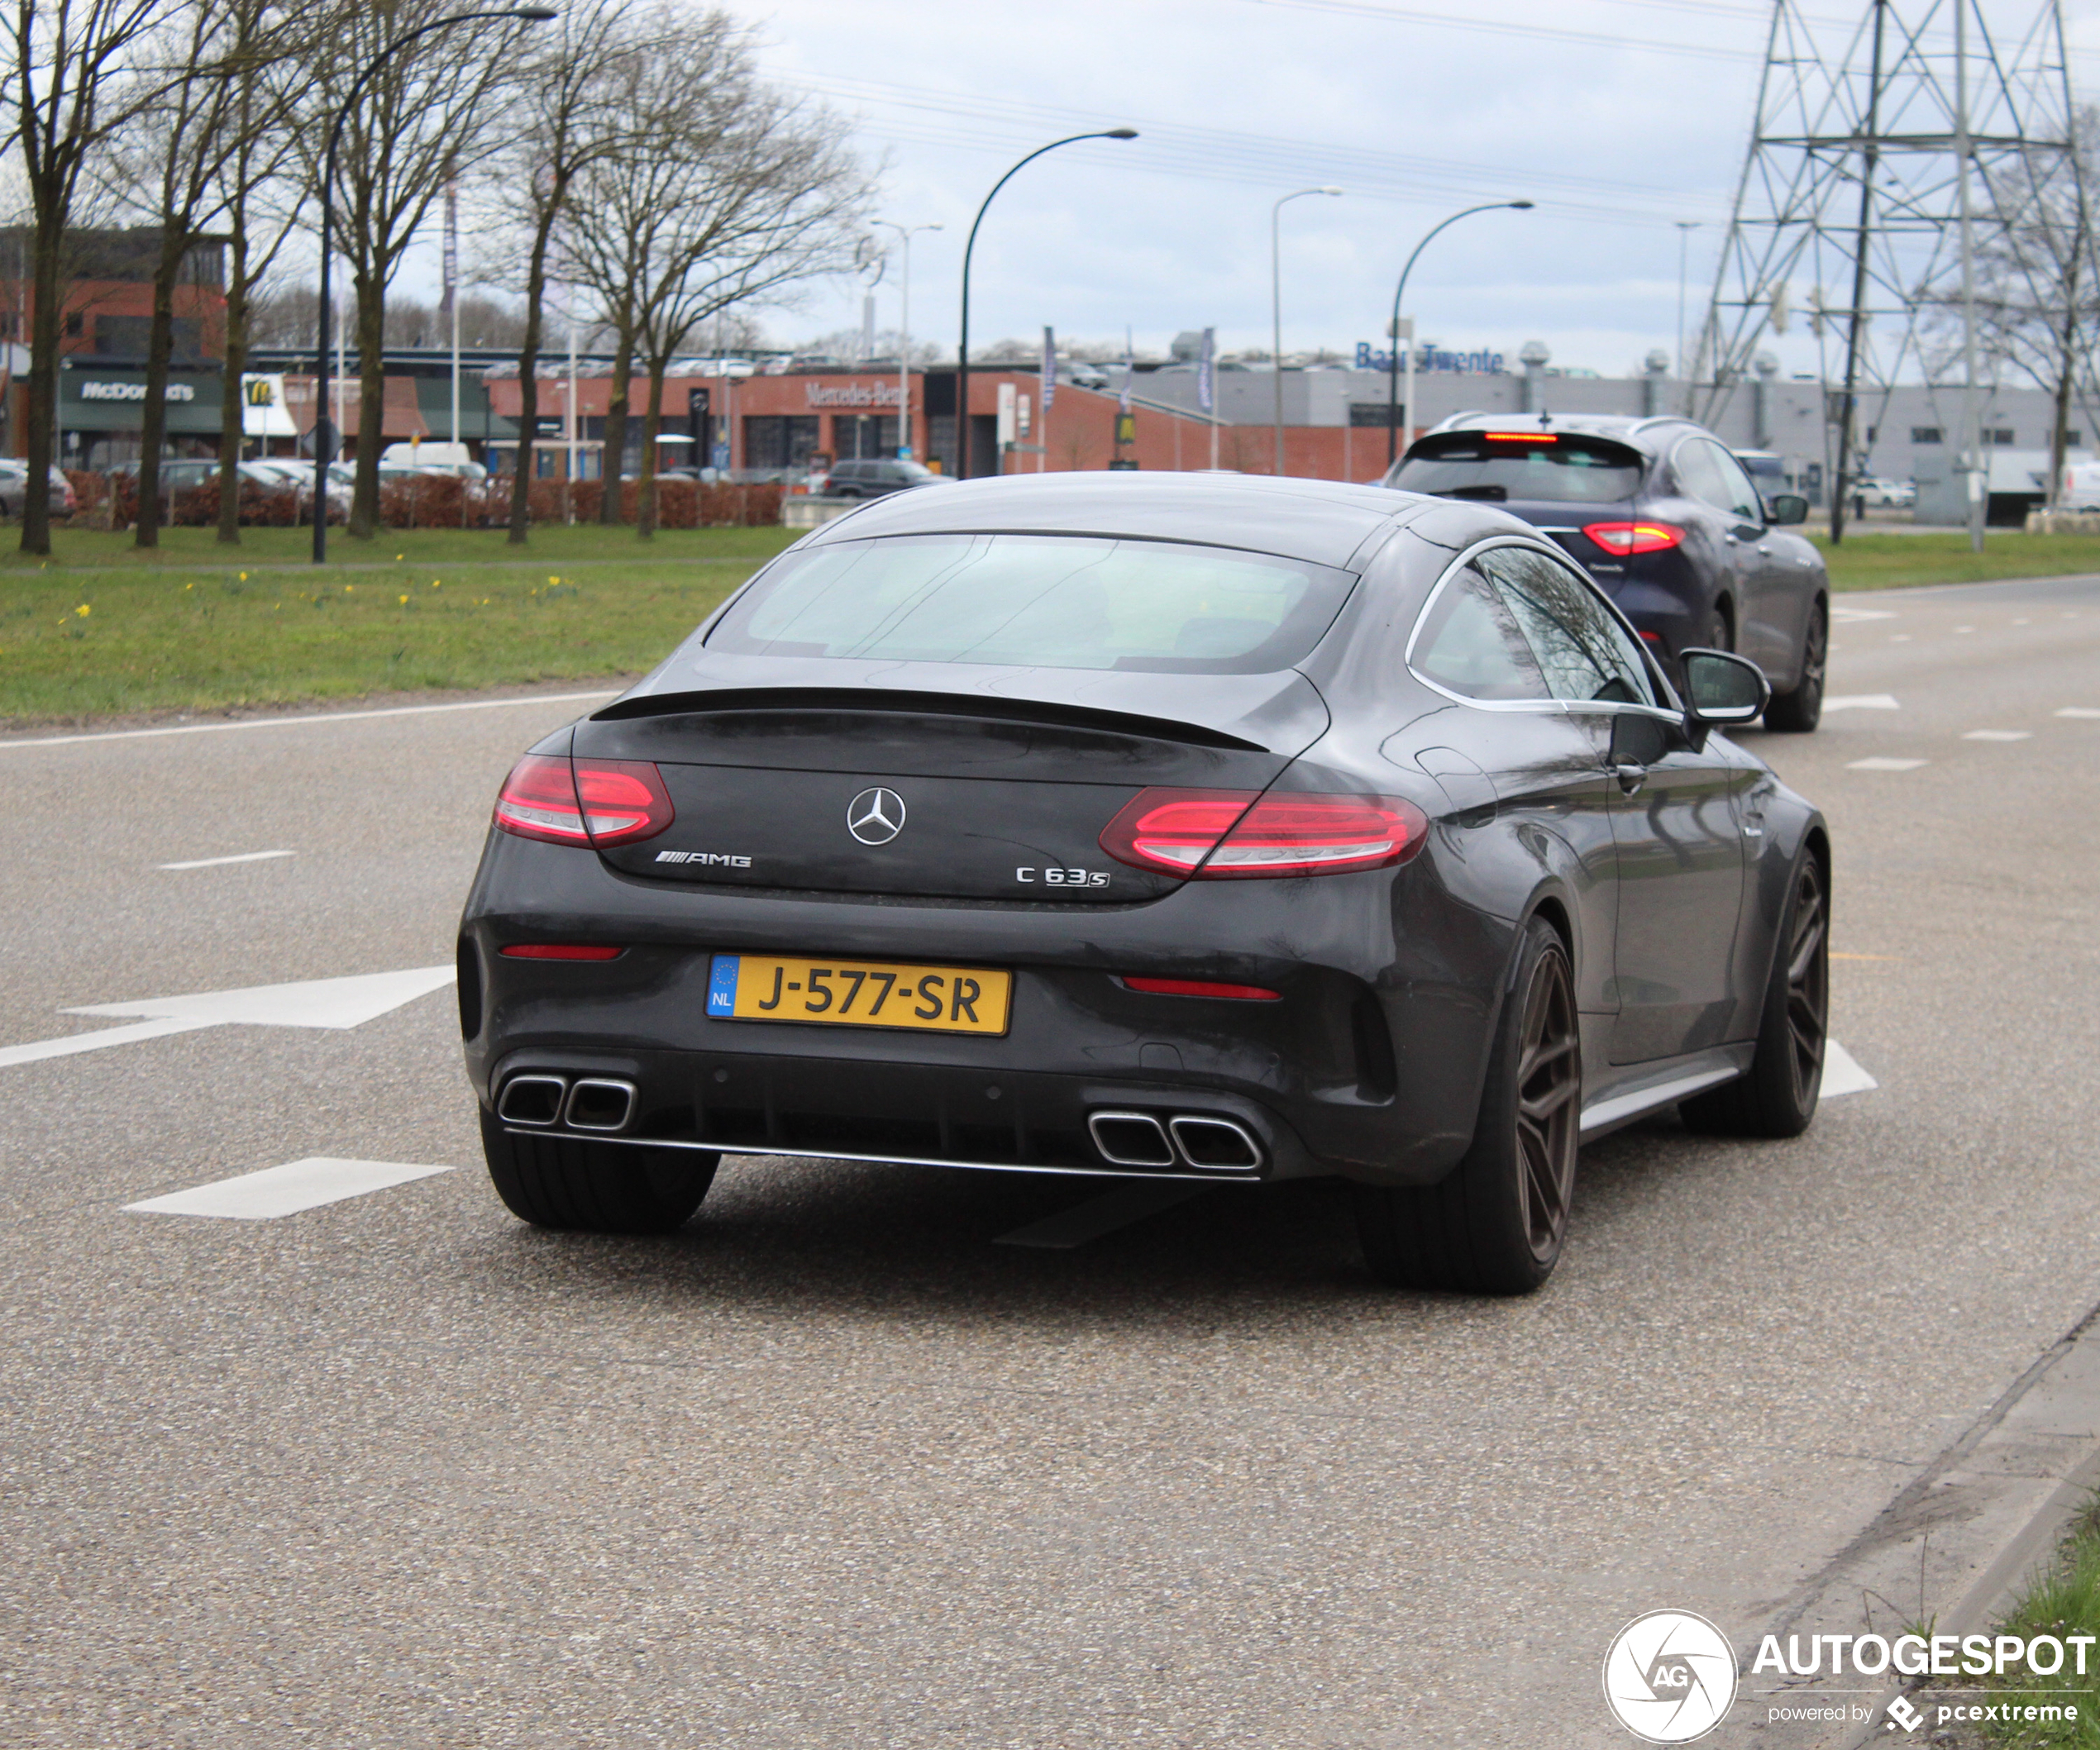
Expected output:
(1234, 835)
(1522, 437)
(1190, 987)
(584, 802)
(1624, 538)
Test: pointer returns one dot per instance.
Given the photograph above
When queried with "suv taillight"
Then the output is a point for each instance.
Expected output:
(584, 802)
(1241, 835)
(1624, 538)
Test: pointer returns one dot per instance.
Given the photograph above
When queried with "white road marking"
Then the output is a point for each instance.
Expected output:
(1862, 613)
(217, 862)
(1964, 628)
(2079, 711)
(330, 716)
(1841, 1072)
(337, 1003)
(2023, 622)
(1999, 735)
(1902, 637)
(1862, 702)
(285, 1190)
(1103, 1214)
(1884, 766)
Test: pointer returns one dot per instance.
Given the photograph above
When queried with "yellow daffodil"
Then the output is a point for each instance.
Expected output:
(83, 610)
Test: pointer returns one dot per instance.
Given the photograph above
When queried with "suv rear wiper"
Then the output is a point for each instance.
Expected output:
(1493, 494)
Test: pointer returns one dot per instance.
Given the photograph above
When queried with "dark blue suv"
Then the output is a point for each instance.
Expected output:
(1669, 524)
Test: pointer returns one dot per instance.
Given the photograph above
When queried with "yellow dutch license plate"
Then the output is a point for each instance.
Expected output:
(858, 993)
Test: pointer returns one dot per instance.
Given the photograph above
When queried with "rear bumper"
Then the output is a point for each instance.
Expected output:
(1369, 1066)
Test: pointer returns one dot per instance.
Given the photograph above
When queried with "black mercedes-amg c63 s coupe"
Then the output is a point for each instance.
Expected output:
(1182, 826)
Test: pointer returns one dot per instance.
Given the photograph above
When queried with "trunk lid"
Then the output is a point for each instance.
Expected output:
(903, 792)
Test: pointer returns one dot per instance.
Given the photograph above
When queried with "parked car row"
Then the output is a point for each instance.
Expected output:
(14, 489)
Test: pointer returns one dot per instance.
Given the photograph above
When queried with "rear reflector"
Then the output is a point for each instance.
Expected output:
(1624, 538)
(584, 802)
(1189, 987)
(1227, 835)
(559, 950)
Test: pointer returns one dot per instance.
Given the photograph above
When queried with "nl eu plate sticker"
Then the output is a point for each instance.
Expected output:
(721, 985)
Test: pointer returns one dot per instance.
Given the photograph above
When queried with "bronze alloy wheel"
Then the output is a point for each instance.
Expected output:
(1549, 1081)
(1808, 983)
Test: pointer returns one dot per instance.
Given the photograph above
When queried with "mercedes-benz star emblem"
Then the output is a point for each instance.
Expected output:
(875, 817)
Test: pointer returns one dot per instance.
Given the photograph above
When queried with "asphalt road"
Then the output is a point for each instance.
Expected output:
(830, 1467)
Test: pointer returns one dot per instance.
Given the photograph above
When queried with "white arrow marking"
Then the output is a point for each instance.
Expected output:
(1841, 1072)
(1880, 764)
(1862, 613)
(1862, 702)
(215, 862)
(2081, 711)
(339, 1002)
(285, 1190)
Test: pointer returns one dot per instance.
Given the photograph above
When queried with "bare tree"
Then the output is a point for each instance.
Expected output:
(430, 109)
(217, 57)
(71, 82)
(726, 195)
(572, 119)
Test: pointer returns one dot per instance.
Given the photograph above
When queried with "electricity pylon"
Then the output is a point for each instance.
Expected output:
(1885, 149)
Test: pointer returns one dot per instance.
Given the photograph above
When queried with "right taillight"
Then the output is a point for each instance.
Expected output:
(1626, 538)
(1236, 835)
(584, 802)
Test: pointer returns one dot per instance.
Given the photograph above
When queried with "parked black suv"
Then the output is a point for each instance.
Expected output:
(872, 479)
(1667, 521)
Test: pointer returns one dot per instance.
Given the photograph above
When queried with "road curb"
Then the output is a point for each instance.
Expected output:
(1960, 1537)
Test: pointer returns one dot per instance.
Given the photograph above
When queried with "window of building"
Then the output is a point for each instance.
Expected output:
(1925, 434)
(784, 441)
(870, 434)
(76, 323)
(2001, 436)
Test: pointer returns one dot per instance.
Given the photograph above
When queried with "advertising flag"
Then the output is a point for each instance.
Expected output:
(1049, 369)
(451, 247)
(1206, 366)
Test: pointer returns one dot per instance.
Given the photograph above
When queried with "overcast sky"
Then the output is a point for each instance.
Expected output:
(1415, 110)
(1620, 118)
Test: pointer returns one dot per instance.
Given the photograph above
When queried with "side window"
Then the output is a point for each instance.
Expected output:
(1588, 657)
(1469, 642)
(1744, 497)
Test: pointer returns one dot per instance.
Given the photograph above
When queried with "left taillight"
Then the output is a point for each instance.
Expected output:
(1624, 539)
(1216, 836)
(584, 802)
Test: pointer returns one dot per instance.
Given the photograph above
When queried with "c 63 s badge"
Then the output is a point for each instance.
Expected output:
(1064, 877)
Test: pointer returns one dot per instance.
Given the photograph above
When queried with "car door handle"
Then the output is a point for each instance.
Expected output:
(1764, 547)
(1630, 773)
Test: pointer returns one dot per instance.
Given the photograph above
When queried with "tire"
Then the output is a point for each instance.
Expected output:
(566, 1182)
(1777, 1096)
(1496, 1223)
(1799, 710)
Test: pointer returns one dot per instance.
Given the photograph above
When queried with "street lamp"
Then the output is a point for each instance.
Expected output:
(1276, 307)
(323, 432)
(904, 337)
(962, 354)
(1392, 384)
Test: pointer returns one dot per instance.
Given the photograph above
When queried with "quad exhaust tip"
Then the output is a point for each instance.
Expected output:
(1204, 1142)
(601, 1104)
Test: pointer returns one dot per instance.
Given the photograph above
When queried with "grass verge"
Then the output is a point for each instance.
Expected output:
(1891, 561)
(79, 639)
(2064, 1601)
(79, 548)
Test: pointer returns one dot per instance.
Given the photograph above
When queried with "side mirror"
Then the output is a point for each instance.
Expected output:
(1788, 509)
(1720, 689)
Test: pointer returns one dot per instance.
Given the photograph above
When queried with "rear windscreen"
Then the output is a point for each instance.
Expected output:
(1038, 601)
(1553, 468)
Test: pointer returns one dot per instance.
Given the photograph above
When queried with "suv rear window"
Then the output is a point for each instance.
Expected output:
(1538, 467)
(1037, 601)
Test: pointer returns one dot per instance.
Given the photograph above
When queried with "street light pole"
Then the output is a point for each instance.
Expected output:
(1392, 372)
(323, 429)
(904, 337)
(962, 352)
(1276, 307)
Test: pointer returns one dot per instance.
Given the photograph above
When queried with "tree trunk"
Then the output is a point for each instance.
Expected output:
(371, 404)
(44, 316)
(153, 411)
(233, 406)
(2066, 370)
(528, 371)
(614, 451)
(652, 418)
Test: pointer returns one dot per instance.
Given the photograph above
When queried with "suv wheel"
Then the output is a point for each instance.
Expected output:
(1800, 708)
